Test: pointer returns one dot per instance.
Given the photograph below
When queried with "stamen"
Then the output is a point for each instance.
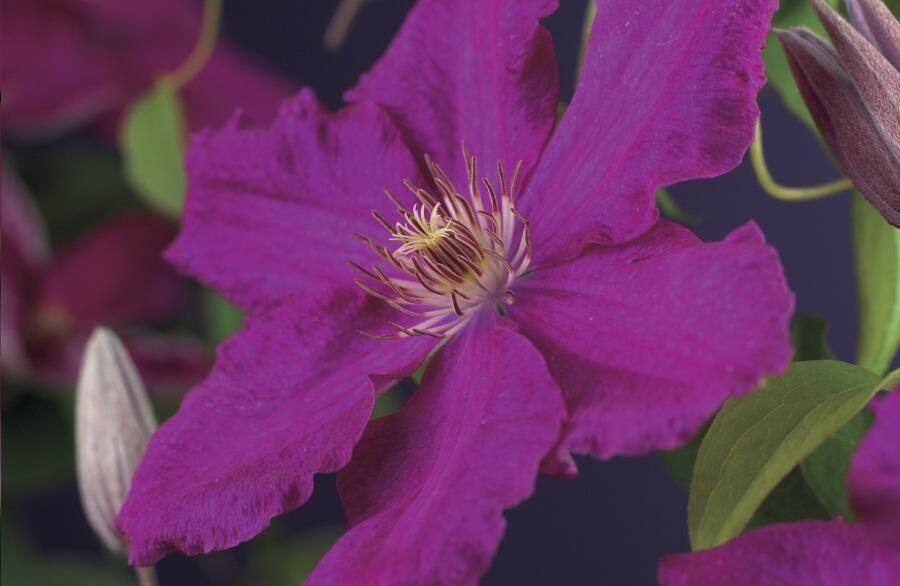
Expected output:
(459, 256)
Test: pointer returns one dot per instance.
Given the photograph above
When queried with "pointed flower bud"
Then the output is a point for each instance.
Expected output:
(113, 423)
(852, 90)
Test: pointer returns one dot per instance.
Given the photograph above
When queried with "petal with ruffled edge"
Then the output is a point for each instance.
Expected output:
(288, 398)
(648, 339)
(479, 71)
(425, 491)
(667, 93)
(272, 212)
(809, 553)
(874, 477)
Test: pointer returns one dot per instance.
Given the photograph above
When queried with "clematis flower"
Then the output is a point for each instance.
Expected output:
(561, 313)
(66, 62)
(852, 91)
(822, 553)
(114, 275)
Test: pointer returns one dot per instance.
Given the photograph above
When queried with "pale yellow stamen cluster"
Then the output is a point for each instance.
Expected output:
(457, 254)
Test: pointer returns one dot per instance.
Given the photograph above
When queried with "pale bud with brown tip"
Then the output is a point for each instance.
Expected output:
(852, 90)
(113, 424)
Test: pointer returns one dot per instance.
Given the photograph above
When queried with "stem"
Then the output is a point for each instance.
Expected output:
(146, 575)
(589, 16)
(340, 24)
(891, 381)
(781, 192)
(209, 31)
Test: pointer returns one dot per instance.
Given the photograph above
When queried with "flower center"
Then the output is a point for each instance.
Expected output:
(456, 254)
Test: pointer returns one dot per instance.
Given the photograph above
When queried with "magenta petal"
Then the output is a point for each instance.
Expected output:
(810, 553)
(289, 397)
(874, 477)
(426, 488)
(667, 93)
(271, 212)
(479, 71)
(114, 274)
(648, 339)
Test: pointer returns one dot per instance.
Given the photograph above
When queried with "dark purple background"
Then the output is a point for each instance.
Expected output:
(611, 525)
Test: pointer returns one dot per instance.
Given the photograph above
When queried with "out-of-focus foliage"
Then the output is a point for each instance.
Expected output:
(877, 248)
(152, 141)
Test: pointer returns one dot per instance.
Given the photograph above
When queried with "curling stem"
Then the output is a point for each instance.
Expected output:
(781, 192)
(206, 42)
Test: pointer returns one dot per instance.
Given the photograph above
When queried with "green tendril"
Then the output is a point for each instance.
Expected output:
(206, 42)
(781, 192)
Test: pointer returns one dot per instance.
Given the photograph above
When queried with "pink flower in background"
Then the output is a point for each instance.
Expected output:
(563, 315)
(67, 62)
(819, 553)
(114, 276)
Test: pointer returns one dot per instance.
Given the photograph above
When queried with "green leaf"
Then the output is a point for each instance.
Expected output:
(877, 248)
(792, 500)
(670, 208)
(223, 319)
(756, 440)
(791, 13)
(808, 336)
(152, 142)
(826, 468)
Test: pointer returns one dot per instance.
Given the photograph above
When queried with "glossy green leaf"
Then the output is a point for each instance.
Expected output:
(791, 13)
(152, 142)
(756, 440)
(808, 336)
(792, 500)
(825, 470)
(877, 248)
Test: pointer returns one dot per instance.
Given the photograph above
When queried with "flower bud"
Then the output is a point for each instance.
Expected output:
(113, 423)
(852, 91)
